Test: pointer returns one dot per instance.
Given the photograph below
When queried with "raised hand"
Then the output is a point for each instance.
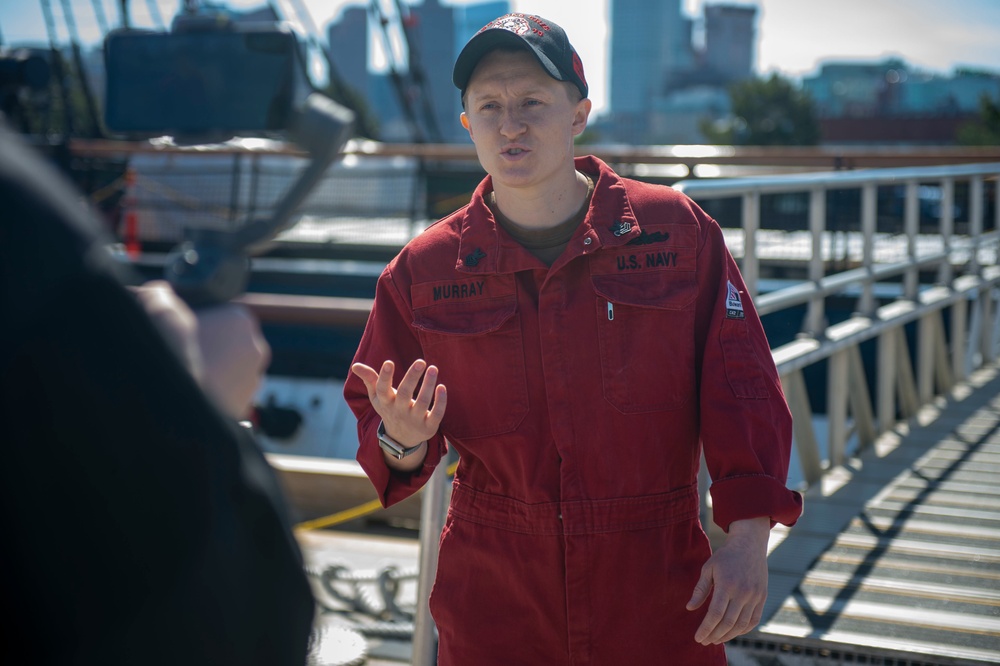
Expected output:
(407, 411)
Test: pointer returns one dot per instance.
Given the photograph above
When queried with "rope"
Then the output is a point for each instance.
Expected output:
(366, 601)
(351, 514)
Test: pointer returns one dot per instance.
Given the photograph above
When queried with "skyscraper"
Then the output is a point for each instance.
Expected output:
(437, 33)
(650, 45)
(432, 32)
(730, 40)
(348, 40)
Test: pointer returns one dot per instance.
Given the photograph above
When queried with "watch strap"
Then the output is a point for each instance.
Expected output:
(392, 447)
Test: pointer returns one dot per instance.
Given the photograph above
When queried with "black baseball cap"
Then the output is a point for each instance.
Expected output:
(546, 40)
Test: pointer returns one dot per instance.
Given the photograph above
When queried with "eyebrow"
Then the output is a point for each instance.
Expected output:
(524, 92)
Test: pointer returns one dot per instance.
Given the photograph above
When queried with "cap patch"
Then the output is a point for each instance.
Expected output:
(514, 24)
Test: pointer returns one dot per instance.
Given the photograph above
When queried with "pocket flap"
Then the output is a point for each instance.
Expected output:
(465, 317)
(675, 291)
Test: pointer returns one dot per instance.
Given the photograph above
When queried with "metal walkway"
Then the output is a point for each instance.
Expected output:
(896, 559)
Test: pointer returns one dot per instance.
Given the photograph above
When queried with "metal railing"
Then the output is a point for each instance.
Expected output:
(941, 360)
(965, 273)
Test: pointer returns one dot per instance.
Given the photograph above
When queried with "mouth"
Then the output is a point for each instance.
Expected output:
(514, 151)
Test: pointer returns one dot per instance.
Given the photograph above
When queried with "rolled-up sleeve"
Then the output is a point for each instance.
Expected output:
(746, 427)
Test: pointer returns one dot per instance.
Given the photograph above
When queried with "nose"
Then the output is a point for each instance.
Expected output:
(512, 125)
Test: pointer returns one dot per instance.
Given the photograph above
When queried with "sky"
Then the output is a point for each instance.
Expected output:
(794, 36)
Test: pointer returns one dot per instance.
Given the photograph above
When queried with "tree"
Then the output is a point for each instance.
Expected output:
(986, 130)
(766, 112)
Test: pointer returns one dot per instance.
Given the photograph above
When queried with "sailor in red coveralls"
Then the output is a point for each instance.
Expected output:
(593, 333)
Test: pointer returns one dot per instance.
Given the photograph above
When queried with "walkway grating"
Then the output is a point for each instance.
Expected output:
(900, 563)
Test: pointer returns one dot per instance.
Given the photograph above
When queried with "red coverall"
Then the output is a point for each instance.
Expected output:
(578, 398)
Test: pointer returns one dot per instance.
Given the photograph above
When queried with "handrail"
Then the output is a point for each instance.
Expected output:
(805, 182)
(831, 157)
(902, 385)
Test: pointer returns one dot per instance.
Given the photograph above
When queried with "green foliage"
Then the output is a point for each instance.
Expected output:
(986, 130)
(766, 112)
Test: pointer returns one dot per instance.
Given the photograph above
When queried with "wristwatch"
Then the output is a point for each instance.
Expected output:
(394, 448)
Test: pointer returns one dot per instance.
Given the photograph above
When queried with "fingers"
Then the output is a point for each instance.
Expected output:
(440, 404)
(701, 589)
(383, 386)
(367, 375)
(413, 410)
(728, 615)
(427, 388)
(724, 623)
(408, 385)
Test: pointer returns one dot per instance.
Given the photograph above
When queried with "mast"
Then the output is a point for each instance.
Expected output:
(88, 94)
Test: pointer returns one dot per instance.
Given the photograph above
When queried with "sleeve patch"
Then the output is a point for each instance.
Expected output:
(734, 304)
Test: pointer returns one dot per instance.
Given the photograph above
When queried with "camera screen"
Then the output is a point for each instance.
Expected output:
(199, 83)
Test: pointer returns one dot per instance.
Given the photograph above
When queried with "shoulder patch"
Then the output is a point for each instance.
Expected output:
(734, 304)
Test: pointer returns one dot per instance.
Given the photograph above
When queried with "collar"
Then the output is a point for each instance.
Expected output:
(610, 222)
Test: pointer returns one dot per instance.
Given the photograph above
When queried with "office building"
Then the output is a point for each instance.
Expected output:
(730, 41)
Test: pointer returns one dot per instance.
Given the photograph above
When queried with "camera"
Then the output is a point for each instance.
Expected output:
(206, 81)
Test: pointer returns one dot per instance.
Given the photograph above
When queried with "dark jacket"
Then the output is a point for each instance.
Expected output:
(140, 526)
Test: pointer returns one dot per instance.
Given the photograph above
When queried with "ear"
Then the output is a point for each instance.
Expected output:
(465, 123)
(581, 115)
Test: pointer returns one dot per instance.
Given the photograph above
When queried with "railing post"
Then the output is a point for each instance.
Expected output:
(815, 315)
(794, 386)
(974, 346)
(959, 332)
(860, 399)
(886, 396)
(432, 510)
(976, 221)
(942, 368)
(751, 223)
(909, 400)
(925, 358)
(911, 226)
(869, 211)
(946, 272)
(836, 406)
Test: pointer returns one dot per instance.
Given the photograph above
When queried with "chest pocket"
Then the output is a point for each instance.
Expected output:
(645, 325)
(478, 348)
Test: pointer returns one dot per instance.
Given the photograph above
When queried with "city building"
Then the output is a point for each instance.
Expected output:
(347, 38)
(730, 42)
(889, 102)
(436, 33)
(650, 45)
(662, 84)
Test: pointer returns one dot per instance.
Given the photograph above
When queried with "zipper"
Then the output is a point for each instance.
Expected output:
(611, 311)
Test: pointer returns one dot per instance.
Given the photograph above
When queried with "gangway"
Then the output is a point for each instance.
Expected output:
(896, 559)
